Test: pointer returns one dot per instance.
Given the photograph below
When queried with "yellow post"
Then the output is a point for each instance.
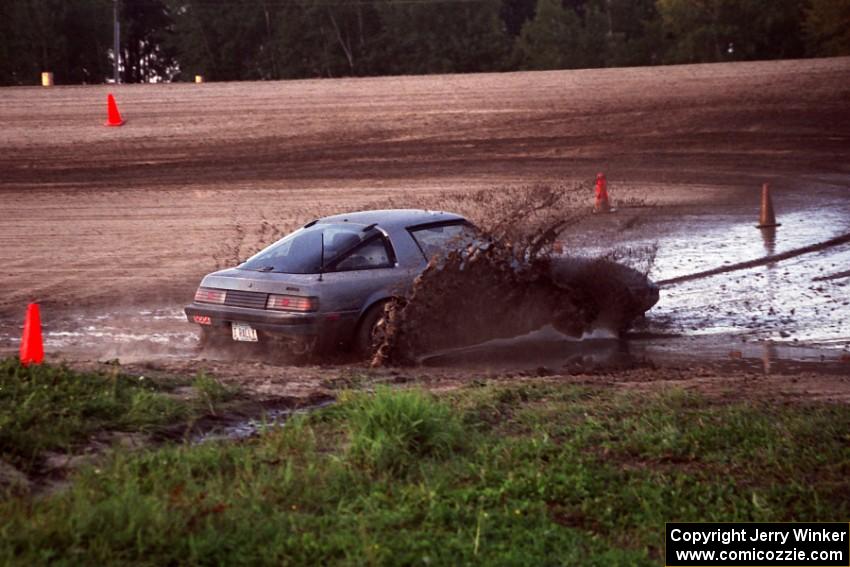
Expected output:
(47, 79)
(199, 78)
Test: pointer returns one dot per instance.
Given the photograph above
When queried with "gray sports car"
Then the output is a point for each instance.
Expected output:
(325, 284)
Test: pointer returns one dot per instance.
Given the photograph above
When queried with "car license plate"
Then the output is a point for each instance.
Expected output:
(242, 332)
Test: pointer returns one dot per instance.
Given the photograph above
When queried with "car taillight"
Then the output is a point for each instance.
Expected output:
(207, 295)
(292, 303)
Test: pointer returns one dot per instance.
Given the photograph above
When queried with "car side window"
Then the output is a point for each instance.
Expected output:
(438, 239)
(371, 254)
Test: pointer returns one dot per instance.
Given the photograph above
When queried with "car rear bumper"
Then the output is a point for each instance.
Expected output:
(329, 327)
(274, 321)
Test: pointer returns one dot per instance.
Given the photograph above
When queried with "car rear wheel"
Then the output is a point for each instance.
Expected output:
(370, 331)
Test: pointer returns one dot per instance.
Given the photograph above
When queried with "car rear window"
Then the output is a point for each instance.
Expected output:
(301, 251)
(434, 239)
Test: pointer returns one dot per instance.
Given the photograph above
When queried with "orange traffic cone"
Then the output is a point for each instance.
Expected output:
(32, 347)
(601, 205)
(767, 219)
(113, 116)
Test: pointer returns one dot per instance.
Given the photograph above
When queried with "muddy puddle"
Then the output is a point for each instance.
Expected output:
(800, 300)
(235, 428)
(781, 302)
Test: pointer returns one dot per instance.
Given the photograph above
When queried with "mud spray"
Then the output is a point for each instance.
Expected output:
(510, 281)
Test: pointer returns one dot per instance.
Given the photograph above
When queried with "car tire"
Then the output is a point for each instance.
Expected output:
(365, 339)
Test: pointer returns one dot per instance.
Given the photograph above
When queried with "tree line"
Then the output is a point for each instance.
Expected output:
(164, 40)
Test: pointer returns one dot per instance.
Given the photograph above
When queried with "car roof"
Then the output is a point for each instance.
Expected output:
(393, 219)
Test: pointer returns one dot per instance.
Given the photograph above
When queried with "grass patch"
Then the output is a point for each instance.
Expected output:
(211, 392)
(523, 475)
(47, 407)
(392, 430)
